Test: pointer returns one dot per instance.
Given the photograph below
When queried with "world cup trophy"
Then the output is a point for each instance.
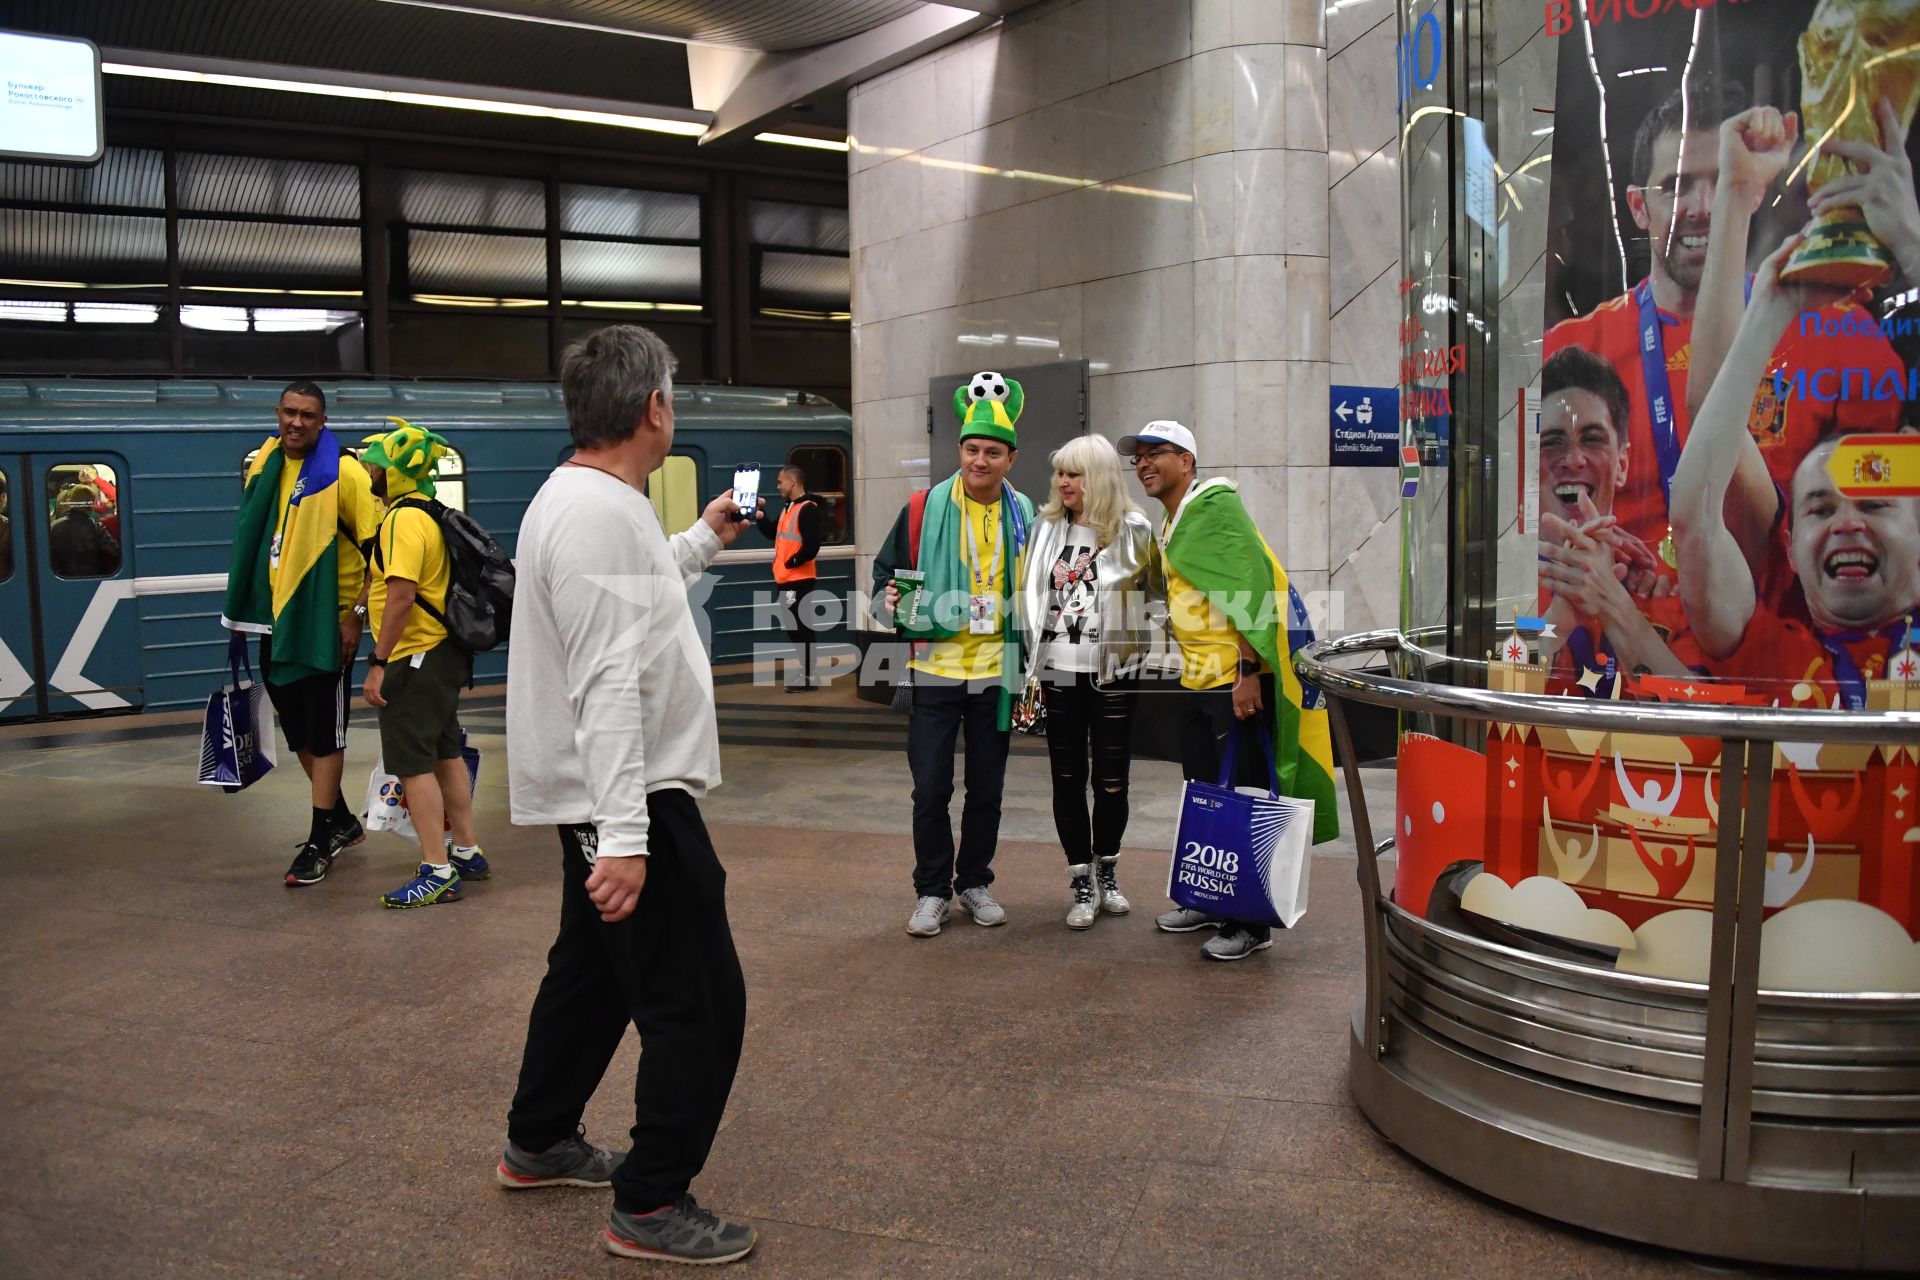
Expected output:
(1853, 54)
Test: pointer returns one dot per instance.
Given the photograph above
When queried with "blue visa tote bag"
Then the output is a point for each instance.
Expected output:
(1242, 853)
(236, 738)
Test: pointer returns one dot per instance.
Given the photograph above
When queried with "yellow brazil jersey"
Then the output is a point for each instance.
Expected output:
(359, 517)
(967, 656)
(411, 547)
(1209, 644)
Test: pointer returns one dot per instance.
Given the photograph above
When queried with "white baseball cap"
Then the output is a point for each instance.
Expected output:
(1166, 431)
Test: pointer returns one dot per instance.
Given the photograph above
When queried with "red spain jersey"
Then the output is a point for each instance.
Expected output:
(1785, 429)
(1587, 649)
(1784, 648)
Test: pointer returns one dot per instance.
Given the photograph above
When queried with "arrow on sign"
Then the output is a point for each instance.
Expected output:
(1343, 413)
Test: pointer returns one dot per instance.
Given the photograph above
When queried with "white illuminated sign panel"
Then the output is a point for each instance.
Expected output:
(49, 98)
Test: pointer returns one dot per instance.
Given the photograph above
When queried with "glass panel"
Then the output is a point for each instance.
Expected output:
(675, 492)
(630, 272)
(469, 200)
(272, 340)
(450, 481)
(82, 337)
(6, 530)
(264, 255)
(126, 177)
(799, 226)
(249, 184)
(804, 286)
(469, 344)
(83, 520)
(473, 267)
(825, 469)
(103, 250)
(623, 211)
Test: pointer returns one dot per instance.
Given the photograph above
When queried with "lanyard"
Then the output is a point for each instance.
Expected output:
(1846, 672)
(1581, 646)
(973, 556)
(1653, 375)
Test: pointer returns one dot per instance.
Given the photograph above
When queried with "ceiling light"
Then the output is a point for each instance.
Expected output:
(115, 312)
(801, 140)
(393, 89)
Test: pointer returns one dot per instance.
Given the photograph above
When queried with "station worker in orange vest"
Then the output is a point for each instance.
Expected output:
(796, 544)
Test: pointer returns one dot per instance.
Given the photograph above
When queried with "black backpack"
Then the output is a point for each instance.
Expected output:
(479, 609)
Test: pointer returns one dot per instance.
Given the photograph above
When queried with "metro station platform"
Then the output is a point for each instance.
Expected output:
(209, 1074)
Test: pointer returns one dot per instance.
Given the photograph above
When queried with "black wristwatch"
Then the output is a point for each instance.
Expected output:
(1248, 667)
(376, 662)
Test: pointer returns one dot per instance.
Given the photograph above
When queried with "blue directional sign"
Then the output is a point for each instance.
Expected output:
(1365, 426)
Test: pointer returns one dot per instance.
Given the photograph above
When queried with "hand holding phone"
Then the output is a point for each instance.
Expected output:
(746, 489)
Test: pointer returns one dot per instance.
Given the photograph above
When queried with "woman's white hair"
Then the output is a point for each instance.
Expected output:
(1104, 501)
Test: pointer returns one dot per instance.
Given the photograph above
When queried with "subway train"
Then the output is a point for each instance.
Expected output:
(118, 500)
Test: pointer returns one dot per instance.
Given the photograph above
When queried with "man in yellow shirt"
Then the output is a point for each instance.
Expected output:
(963, 538)
(416, 671)
(298, 581)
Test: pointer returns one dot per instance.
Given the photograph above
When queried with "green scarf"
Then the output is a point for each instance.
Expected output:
(947, 588)
(301, 610)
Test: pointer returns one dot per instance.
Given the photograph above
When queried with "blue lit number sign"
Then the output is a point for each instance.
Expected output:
(1420, 56)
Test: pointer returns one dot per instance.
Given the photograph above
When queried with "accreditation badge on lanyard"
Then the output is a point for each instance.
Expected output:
(1660, 404)
(983, 606)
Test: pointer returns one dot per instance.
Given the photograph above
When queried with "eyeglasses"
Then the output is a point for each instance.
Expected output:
(1143, 455)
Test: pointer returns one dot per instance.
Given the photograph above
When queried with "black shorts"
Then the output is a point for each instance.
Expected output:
(420, 725)
(313, 709)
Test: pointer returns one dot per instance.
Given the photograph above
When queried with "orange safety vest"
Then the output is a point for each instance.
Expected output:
(786, 545)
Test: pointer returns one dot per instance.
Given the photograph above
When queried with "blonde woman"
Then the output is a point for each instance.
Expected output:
(1083, 612)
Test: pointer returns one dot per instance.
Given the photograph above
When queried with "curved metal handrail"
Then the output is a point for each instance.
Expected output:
(1753, 724)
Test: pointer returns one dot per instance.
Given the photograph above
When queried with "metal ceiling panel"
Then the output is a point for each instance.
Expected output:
(772, 25)
(808, 279)
(631, 272)
(97, 248)
(126, 177)
(427, 198)
(624, 211)
(250, 184)
(799, 226)
(464, 264)
(268, 254)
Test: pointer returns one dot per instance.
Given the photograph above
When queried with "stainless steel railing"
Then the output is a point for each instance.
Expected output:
(1747, 736)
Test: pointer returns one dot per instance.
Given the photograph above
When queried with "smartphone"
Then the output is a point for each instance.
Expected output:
(746, 489)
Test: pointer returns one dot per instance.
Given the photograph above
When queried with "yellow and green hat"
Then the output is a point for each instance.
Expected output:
(412, 451)
(988, 405)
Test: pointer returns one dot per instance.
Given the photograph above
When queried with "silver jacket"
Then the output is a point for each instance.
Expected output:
(1120, 597)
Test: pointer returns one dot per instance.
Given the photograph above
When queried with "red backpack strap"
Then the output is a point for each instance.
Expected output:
(916, 517)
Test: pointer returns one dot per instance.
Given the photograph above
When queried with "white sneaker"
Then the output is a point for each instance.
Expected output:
(981, 906)
(1086, 905)
(1112, 901)
(928, 915)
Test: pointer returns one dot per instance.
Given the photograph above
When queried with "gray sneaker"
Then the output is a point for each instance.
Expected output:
(928, 915)
(981, 906)
(1185, 920)
(1236, 943)
(681, 1232)
(574, 1162)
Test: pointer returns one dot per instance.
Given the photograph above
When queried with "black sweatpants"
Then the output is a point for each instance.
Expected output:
(1087, 723)
(940, 708)
(797, 628)
(1204, 727)
(670, 969)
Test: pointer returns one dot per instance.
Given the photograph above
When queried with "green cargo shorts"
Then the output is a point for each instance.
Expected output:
(420, 725)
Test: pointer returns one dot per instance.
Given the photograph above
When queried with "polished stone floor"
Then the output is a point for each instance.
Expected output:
(209, 1075)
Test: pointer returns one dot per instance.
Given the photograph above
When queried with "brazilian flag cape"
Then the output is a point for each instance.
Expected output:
(299, 605)
(1214, 545)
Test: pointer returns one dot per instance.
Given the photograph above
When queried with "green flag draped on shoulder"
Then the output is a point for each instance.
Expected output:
(1215, 546)
(297, 602)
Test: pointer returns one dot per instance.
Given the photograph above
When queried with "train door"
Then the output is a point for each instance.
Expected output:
(74, 633)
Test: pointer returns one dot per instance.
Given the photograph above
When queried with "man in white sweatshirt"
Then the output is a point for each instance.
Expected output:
(611, 738)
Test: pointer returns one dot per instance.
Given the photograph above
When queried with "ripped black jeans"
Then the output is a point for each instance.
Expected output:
(1087, 723)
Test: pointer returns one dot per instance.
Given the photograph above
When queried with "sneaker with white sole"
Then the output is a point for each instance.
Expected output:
(928, 915)
(680, 1232)
(425, 889)
(980, 905)
(1112, 901)
(1185, 920)
(573, 1162)
(1237, 942)
(1086, 904)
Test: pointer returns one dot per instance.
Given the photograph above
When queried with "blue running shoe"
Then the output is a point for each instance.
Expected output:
(424, 890)
(474, 868)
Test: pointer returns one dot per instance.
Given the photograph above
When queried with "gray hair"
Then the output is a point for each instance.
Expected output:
(608, 377)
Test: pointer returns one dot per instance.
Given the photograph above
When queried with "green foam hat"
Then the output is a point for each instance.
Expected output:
(412, 451)
(988, 405)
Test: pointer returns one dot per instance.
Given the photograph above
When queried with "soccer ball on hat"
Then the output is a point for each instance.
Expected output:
(987, 386)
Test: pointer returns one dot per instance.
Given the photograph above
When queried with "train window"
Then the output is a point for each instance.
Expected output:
(6, 530)
(450, 486)
(83, 520)
(675, 491)
(825, 466)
